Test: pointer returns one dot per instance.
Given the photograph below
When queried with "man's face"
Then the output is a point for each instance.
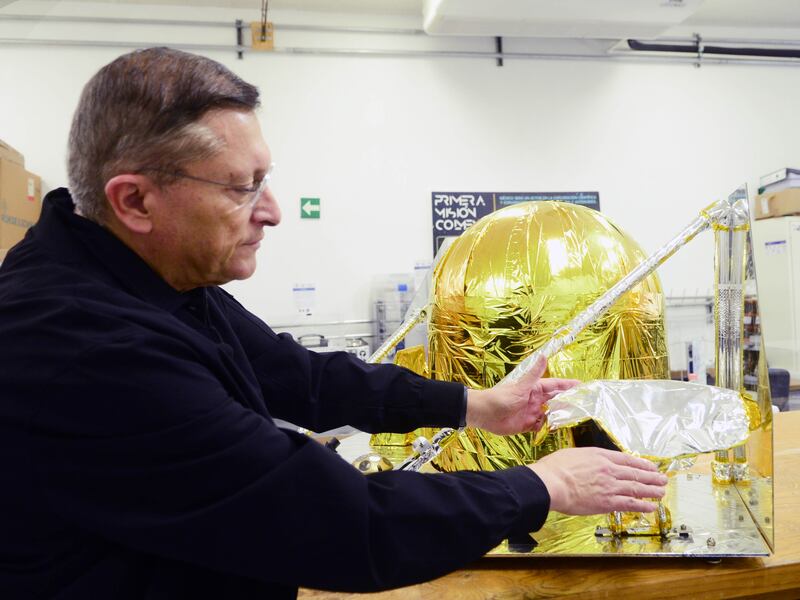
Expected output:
(210, 233)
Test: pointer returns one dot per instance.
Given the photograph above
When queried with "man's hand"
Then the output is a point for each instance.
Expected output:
(515, 407)
(588, 481)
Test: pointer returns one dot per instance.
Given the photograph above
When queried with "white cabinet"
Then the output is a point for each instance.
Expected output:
(776, 245)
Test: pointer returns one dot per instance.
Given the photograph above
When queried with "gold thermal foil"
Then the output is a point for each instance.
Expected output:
(412, 359)
(660, 420)
(508, 283)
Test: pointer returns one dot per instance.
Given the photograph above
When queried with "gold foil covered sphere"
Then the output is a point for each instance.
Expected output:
(508, 283)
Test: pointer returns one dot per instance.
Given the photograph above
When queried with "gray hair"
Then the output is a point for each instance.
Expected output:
(141, 112)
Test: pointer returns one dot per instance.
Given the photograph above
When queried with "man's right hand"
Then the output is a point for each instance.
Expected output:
(587, 481)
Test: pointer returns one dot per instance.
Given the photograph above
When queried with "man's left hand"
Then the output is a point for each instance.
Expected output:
(515, 407)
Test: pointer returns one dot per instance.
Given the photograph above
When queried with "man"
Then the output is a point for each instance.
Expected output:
(137, 444)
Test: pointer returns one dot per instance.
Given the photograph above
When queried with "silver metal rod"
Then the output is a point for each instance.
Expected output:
(338, 29)
(688, 304)
(348, 336)
(334, 29)
(120, 44)
(200, 23)
(729, 267)
(325, 324)
(407, 325)
(116, 20)
(532, 56)
(403, 53)
(729, 306)
(722, 40)
(702, 298)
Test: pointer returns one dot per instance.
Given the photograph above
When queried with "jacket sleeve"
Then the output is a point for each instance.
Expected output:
(137, 443)
(322, 391)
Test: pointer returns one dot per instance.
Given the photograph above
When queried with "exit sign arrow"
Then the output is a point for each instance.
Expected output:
(309, 208)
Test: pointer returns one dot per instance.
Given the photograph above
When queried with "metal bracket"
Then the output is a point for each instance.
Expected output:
(700, 49)
(239, 43)
(676, 534)
(426, 450)
(498, 46)
(264, 15)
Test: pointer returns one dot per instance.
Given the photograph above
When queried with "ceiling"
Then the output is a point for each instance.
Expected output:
(775, 22)
(761, 14)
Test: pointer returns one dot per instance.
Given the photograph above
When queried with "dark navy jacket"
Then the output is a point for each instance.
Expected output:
(139, 458)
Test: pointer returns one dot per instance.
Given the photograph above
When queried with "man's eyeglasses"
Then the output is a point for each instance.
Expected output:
(246, 195)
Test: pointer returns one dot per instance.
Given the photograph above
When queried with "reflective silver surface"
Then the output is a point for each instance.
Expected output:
(655, 419)
(717, 519)
(716, 522)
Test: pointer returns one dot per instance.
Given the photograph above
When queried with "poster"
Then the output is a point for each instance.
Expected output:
(453, 212)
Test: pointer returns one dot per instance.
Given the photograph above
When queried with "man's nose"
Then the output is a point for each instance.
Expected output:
(266, 209)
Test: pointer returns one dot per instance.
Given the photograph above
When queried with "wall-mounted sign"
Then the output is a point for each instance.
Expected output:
(453, 212)
(309, 208)
(305, 297)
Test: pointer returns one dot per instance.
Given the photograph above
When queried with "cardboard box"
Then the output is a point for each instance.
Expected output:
(7, 152)
(778, 204)
(20, 197)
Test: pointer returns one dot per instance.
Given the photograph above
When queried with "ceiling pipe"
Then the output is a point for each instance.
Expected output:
(667, 49)
(704, 49)
(621, 57)
(200, 23)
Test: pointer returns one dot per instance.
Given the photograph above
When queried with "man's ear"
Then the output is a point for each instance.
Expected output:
(127, 195)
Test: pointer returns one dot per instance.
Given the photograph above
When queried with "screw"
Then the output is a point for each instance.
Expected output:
(741, 517)
(767, 519)
(711, 542)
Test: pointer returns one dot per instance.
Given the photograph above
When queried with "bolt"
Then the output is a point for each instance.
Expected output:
(741, 517)
(767, 520)
(711, 542)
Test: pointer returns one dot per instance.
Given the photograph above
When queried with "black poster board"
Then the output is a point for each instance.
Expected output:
(453, 212)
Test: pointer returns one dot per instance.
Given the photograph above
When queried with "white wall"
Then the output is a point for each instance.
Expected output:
(374, 136)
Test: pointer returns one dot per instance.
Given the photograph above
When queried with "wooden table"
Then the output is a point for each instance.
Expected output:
(775, 577)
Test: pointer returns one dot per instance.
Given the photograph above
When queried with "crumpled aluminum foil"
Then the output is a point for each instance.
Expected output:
(657, 419)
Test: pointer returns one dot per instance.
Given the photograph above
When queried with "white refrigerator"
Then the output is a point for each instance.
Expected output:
(776, 245)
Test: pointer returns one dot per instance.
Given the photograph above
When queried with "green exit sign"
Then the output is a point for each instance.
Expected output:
(309, 208)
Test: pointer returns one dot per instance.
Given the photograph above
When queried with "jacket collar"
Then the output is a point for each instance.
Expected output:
(70, 238)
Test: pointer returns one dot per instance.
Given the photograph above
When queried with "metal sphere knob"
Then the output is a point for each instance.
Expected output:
(372, 463)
